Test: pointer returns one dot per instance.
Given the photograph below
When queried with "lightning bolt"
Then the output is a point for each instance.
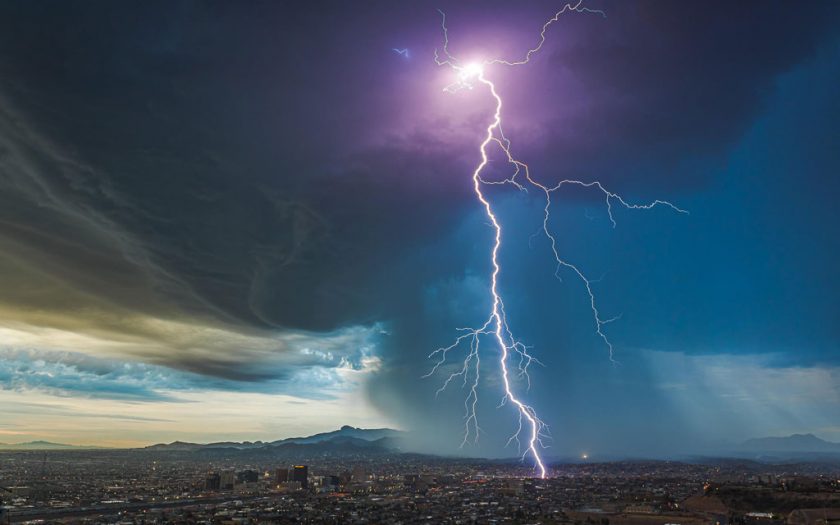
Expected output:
(469, 76)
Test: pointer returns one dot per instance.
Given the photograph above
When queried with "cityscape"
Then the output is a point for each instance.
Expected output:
(473, 262)
(341, 481)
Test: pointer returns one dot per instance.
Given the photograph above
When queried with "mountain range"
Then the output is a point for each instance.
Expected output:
(807, 443)
(384, 438)
(374, 441)
(42, 445)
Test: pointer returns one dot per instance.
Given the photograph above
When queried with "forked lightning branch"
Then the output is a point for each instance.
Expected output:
(510, 355)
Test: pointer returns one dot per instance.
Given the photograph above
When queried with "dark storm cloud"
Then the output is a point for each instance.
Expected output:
(270, 170)
(195, 159)
(215, 141)
(656, 88)
(210, 147)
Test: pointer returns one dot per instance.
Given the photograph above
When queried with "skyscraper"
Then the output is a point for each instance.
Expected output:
(228, 479)
(359, 473)
(213, 481)
(301, 473)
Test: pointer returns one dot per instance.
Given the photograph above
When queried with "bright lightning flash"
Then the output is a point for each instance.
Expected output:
(471, 71)
(469, 76)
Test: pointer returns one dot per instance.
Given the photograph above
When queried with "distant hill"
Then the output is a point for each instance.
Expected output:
(808, 443)
(175, 446)
(346, 437)
(40, 445)
(185, 446)
(343, 447)
(366, 434)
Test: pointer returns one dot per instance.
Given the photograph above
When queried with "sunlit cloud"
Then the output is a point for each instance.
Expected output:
(302, 365)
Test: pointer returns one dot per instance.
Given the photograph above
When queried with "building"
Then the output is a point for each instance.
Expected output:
(300, 473)
(248, 476)
(227, 480)
(281, 475)
(212, 482)
(290, 486)
(359, 473)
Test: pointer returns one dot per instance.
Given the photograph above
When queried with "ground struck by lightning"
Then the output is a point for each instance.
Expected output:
(513, 356)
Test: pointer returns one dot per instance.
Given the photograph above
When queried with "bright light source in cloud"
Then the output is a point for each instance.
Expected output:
(471, 71)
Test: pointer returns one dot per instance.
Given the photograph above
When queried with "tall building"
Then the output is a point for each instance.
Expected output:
(227, 480)
(359, 473)
(213, 481)
(281, 475)
(300, 473)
